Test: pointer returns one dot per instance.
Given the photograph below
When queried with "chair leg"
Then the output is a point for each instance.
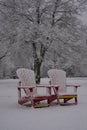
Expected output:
(32, 103)
(76, 101)
(48, 101)
(64, 100)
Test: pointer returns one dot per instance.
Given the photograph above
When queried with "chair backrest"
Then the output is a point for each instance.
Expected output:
(58, 77)
(27, 77)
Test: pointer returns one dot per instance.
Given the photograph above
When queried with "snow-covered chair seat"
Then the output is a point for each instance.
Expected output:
(65, 92)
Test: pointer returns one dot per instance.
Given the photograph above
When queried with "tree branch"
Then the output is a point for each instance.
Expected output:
(1, 57)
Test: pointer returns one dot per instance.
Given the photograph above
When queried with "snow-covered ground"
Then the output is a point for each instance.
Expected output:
(17, 117)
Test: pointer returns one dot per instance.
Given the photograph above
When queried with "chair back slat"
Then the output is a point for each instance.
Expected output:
(58, 77)
(26, 77)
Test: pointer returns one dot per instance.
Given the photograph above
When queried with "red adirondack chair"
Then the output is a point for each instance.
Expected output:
(28, 91)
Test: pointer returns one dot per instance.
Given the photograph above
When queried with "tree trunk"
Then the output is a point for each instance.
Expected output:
(38, 60)
(37, 70)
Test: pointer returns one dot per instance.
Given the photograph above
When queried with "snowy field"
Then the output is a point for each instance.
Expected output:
(17, 117)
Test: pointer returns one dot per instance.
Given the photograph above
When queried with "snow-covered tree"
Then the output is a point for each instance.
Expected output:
(44, 24)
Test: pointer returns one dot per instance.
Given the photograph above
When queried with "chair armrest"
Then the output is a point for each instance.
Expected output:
(49, 88)
(44, 85)
(46, 89)
(74, 87)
